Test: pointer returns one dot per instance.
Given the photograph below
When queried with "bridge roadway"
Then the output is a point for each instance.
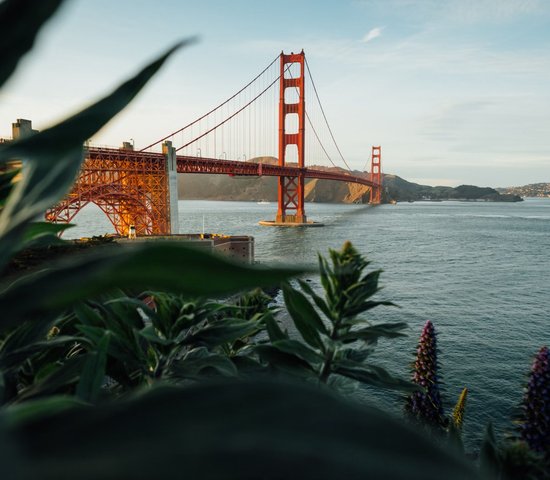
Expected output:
(187, 164)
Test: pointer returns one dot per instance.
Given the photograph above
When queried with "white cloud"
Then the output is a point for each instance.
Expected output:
(372, 34)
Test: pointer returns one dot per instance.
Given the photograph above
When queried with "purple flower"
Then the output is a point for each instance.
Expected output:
(426, 405)
(535, 422)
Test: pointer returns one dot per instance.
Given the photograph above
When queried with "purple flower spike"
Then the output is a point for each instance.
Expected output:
(426, 405)
(535, 426)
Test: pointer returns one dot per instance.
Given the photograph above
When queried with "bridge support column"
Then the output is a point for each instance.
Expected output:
(291, 189)
(172, 175)
(291, 210)
(376, 176)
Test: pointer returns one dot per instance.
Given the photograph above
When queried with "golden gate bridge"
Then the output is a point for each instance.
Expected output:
(138, 188)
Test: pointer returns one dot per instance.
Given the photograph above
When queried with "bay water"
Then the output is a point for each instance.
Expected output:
(479, 271)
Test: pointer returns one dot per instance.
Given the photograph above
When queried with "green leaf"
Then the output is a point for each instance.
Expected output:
(93, 371)
(52, 158)
(43, 234)
(367, 287)
(13, 358)
(20, 22)
(490, 463)
(6, 184)
(273, 330)
(321, 304)
(226, 331)
(26, 334)
(299, 349)
(288, 363)
(194, 362)
(372, 375)
(326, 280)
(38, 409)
(87, 315)
(305, 317)
(365, 306)
(66, 374)
(373, 332)
(169, 266)
(233, 430)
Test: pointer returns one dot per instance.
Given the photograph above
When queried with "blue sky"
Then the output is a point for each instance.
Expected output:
(455, 91)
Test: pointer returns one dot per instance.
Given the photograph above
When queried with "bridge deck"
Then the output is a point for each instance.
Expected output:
(188, 164)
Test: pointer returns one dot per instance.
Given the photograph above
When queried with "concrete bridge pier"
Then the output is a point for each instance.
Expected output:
(172, 178)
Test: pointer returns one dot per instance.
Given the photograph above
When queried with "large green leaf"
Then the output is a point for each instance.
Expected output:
(43, 234)
(288, 363)
(230, 430)
(64, 375)
(7, 182)
(373, 332)
(168, 266)
(321, 304)
(225, 331)
(193, 364)
(490, 463)
(305, 317)
(93, 371)
(52, 158)
(299, 349)
(372, 375)
(15, 357)
(20, 22)
(273, 330)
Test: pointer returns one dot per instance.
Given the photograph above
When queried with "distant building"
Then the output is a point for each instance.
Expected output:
(22, 128)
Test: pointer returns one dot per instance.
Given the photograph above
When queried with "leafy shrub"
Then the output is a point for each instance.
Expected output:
(337, 344)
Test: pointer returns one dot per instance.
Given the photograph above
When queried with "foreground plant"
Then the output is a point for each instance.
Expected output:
(426, 405)
(535, 422)
(336, 344)
(40, 354)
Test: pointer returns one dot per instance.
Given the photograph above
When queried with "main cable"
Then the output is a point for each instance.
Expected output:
(214, 109)
(229, 118)
(324, 116)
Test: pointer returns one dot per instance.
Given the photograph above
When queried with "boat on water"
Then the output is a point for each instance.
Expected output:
(263, 202)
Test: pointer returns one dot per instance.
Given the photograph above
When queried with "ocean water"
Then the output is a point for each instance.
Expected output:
(479, 271)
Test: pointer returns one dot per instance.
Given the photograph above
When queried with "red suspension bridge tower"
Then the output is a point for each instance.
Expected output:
(291, 189)
(376, 176)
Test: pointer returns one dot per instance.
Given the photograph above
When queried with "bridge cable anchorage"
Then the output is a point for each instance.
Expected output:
(324, 116)
(230, 117)
(214, 109)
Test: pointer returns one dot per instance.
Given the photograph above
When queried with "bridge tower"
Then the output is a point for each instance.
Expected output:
(376, 176)
(172, 195)
(291, 189)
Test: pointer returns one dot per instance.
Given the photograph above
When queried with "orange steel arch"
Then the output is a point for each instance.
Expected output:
(130, 187)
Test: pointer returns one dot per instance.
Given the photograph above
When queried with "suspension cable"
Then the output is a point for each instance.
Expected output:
(324, 116)
(311, 123)
(229, 118)
(213, 110)
(319, 140)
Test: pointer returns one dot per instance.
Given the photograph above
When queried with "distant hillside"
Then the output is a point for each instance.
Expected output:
(220, 187)
(530, 190)
(395, 188)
